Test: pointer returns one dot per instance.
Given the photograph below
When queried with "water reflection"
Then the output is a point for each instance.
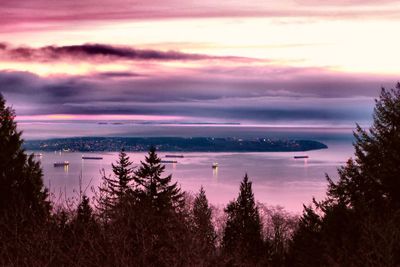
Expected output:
(277, 177)
(215, 172)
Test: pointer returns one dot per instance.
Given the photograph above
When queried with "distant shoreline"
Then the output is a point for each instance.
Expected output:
(173, 144)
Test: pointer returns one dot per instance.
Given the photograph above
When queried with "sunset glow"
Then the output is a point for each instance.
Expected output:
(67, 117)
(162, 59)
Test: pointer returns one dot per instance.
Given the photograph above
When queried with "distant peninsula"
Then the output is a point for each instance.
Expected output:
(172, 144)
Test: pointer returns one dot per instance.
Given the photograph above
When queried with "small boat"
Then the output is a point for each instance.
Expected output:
(215, 165)
(91, 157)
(301, 157)
(61, 164)
(174, 156)
(169, 161)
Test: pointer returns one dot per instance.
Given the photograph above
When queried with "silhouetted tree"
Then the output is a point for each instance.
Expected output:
(372, 179)
(24, 205)
(162, 223)
(306, 248)
(84, 212)
(364, 203)
(203, 230)
(161, 192)
(22, 193)
(242, 241)
(123, 171)
(117, 186)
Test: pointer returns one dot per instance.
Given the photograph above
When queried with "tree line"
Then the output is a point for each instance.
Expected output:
(140, 217)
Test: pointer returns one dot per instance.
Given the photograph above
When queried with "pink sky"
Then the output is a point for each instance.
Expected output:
(271, 60)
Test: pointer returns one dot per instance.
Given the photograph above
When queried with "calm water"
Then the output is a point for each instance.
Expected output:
(278, 178)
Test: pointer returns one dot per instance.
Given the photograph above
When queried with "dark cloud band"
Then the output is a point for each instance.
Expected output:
(97, 52)
(263, 101)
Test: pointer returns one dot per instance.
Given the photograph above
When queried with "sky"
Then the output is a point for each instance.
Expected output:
(277, 63)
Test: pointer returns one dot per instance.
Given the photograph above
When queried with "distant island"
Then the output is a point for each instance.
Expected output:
(172, 144)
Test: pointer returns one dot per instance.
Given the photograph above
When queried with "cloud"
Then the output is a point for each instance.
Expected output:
(17, 14)
(345, 2)
(97, 52)
(325, 98)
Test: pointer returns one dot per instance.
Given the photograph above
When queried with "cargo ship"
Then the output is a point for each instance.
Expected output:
(174, 156)
(169, 161)
(301, 157)
(61, 164)
(91, 157)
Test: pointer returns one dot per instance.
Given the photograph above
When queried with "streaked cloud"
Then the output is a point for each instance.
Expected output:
(61, 11)
(319, 99)
(303, 62)
(100, 52)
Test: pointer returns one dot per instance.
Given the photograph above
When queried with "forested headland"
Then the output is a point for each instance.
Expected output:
(141, 217)
(173, 144)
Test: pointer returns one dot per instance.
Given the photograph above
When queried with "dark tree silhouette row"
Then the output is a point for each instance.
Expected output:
(140, 217)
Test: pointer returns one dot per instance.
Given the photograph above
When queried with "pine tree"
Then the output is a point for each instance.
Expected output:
(372, 179)
(22, 193)
(118, 186)
(242, 241)
(84, 214)
(161, 192)
(364, 202)
(203, 229)
(163, 230)
(123, 172)
(305, 248)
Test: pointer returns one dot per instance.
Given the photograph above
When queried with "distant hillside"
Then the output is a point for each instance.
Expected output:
(173, 144)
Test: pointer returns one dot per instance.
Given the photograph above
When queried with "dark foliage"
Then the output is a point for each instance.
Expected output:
(204, 234)
(363, 205)
(22, 194)
(24, 207)
(161, 193)
(115, 188)
(144, 219)
(242, 241)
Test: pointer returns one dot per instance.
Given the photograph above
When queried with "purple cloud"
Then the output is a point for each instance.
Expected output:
(15, 13)
(323, 98)
(98, 52)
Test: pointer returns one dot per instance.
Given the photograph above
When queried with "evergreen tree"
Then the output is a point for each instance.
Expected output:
(121, 213)
(203, 229)
(24, 206)
(117, 186)
(159, 190)
(123, 172)
(306, 249)
(242, 241)
(364, 203)
(22, 193)
(372, 179)
(163, 236)
(84, 214)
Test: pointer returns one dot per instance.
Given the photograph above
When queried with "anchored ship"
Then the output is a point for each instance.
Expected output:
(169, 161)
(61, 164)
(91, 157)
(174, 156)
(301, 157)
